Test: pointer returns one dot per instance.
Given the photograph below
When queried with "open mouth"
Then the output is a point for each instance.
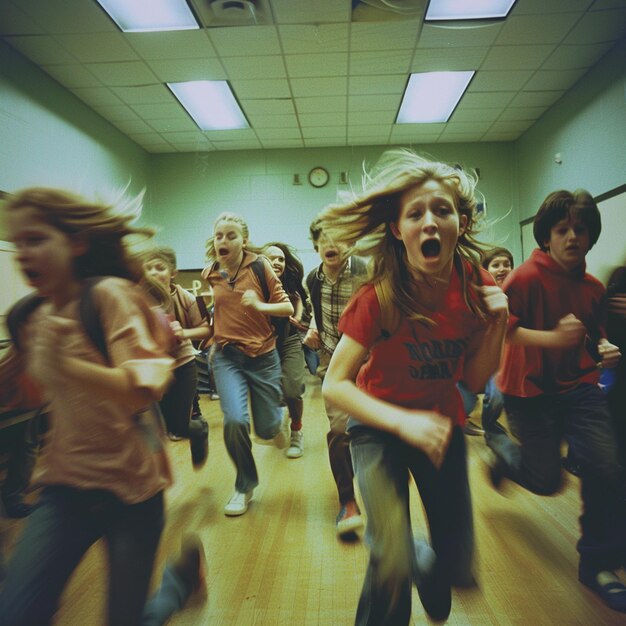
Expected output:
(222, 251)
(431, 248)
(331, 254)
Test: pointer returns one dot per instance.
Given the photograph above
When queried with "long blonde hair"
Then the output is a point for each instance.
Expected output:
(103, 227)
(364, 225)
(231, 218)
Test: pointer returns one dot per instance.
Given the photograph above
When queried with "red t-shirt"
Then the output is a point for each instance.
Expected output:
(418, 365)
(540, 293)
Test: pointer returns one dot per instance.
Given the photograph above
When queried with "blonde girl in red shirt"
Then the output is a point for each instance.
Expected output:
(419, 325)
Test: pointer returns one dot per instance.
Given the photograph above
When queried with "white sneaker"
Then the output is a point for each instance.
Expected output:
(238, 503)
(296, 446)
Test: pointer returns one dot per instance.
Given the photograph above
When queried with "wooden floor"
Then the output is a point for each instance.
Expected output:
(281, 564)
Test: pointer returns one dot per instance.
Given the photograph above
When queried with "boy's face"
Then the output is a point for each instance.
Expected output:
(159, 270)
(500, 267)
(333, 255)
(568, 243)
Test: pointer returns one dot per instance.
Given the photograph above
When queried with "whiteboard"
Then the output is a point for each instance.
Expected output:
(610, 249)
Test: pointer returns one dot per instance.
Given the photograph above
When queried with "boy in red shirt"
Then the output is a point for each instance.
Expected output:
(556, 342)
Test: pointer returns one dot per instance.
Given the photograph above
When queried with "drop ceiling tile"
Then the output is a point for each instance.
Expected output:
(536, 98)
(332, 104)
(42, 49)
(308, 120)
(317, 65)
(314, 39)
(380, 132)
(96, 96)
(533, 7)
(369, 85)
(379, 102)
(122, 74)
(598, 26)
(367, 36)
(444, 37)
(483, 114)
(13, 21)
(133, 126)
(410, 133)
(158, 149)
(61, 16)
(336, 86)
(452, 137)
(282, 143)
(262, 67)
(319, 132)
(313, 142)
(517, 57)
(180, 44)
(373, 117)
(189, 137)
(451, 59)
(382, 62)
(269, 106)
(467, 127)
(367, 141)
(71, 76)
(148, 139)
(99, 47)
(540, 29)
(518, 126)
(553, 79)
(567, 57)
(116, 113)
(183, 123)
(240, 134)
(273, 121)
(179, 70)
(266, 134)
(511, 80)
(317, 12)
(184, 146)
(148, 94)
(164, 110)
(255, 89)
(248, 41)
(601, 5)
(237, 145)
(514, 114)
(487, 99)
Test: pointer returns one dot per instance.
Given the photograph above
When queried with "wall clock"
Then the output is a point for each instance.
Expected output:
(319, 176)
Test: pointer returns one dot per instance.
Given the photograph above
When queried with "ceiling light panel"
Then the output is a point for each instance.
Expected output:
(211, 104)
(431, 97)
(440, 10)
(139, 16)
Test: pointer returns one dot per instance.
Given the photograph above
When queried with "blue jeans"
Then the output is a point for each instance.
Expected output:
(382, 464)
(170, 597)
(581, 417)
(496, 437)
(57, 535)
(236, 375)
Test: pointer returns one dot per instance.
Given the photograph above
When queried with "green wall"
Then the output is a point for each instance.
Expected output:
(188, 191)
(51, 138)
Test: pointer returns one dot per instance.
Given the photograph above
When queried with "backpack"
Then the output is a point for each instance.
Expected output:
(88, 312)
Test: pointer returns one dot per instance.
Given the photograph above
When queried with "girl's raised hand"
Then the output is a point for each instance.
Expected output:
(609, 353)
(250, 299)
(427, 430)
(495, 302)
(46, 347)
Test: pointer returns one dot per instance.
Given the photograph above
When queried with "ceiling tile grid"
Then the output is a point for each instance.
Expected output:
(316, 74)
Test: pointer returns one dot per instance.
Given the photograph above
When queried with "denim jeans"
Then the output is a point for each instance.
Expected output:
(382, 464)
(581, 417)
(496, 437)
(57, 535)
(292, 364)
(236, 376)
(170, 597)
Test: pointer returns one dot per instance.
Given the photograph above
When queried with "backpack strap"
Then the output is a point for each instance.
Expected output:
(90, 317)
(259, 271)
(19, 313)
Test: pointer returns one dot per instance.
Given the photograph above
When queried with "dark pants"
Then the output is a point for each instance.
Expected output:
(382, 464)
(22, 441)
(62, 528)
(581, 417)
(177, 403)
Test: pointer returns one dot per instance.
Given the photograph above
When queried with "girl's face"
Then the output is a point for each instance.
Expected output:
(429, 227)
(159, 270)
(277, 259)
(229, 242)
(45, 254)
(499, 267)
(568, 243)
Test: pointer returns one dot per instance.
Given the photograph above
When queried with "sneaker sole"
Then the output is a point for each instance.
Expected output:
(350, 525)
(296, 454)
